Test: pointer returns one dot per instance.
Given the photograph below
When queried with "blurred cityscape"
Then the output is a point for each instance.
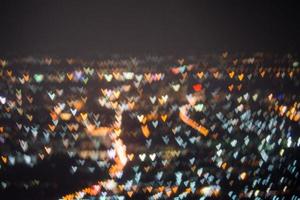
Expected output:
(215, 126)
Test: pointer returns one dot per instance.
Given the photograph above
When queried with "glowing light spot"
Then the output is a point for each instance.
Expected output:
(243, 176)
(212, 190)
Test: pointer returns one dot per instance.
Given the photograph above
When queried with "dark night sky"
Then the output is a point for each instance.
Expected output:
(139, 27)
